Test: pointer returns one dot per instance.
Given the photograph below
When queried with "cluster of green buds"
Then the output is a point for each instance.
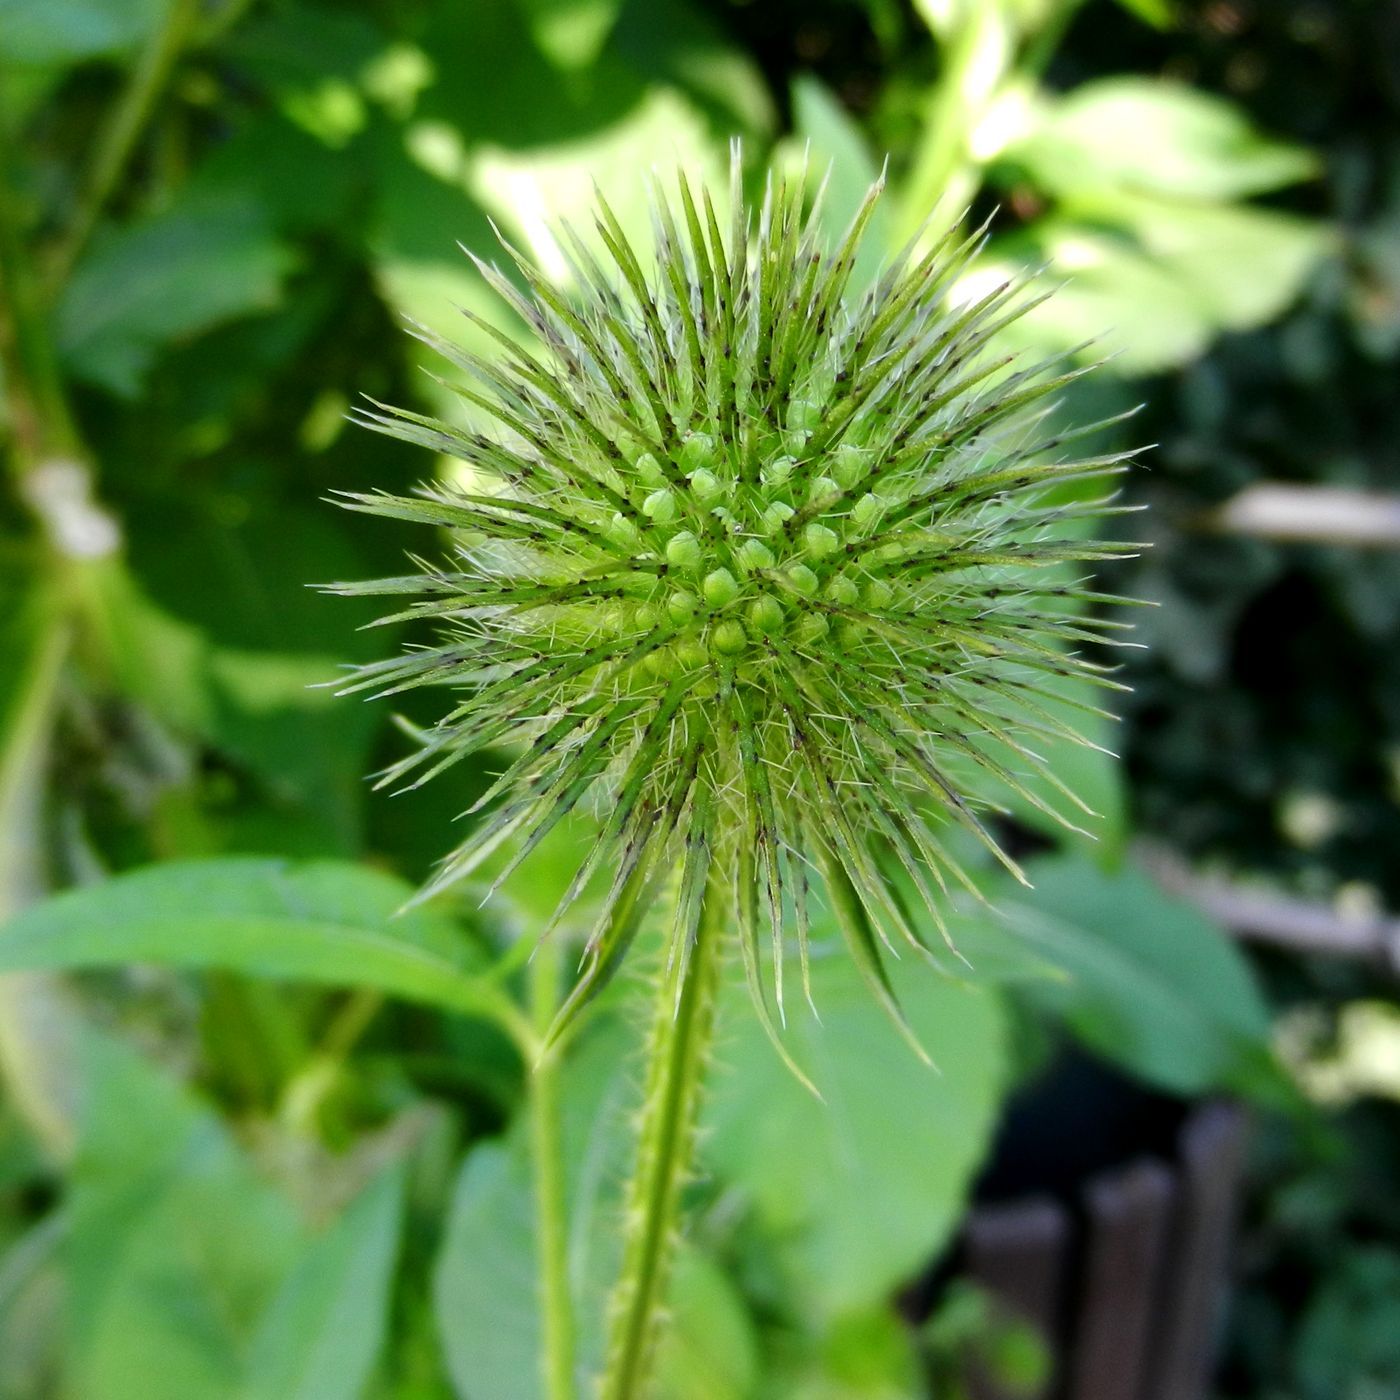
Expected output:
(753, 565)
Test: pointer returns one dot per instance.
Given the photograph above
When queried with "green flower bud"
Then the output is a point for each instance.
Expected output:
(820, 540)
(697, 452)
(720, 588)
(766, 615)
(755, 555)
(683, 550)
(729, 638)
(660, 506)
(706, 485)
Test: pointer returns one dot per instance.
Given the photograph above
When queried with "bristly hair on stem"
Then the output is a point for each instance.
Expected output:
(766, 572)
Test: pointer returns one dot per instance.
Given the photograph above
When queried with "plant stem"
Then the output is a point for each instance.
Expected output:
(945, 177)
(546, 1147)
(123, 129)
(677, 1058)
(42, 424)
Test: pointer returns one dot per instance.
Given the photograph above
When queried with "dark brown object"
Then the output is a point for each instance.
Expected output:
(1017, 1253)
(1128, 1213)
(1212, 1156)
(1132, 1307)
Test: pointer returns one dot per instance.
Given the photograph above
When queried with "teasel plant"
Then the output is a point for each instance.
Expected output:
(767, 574)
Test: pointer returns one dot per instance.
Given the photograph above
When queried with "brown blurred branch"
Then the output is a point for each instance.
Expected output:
(1302, 926)
(1279, 510)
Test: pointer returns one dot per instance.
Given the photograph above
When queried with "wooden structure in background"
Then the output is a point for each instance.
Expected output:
(1128, 1282)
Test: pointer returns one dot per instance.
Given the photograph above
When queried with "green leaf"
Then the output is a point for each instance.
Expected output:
(1153, 283)
(1154, 137)
(1152, 984)
(69, 31)
(1243, 267)
(856, 1193)
(321, 1335)
(322, 921)
(270, 711)
(708, 1350)
(868, 1355)
(174, 1244)
(1157, 13)
(571, 33)
(840, 152)
(155, 283)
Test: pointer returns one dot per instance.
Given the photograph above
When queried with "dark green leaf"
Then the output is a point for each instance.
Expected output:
(155, 283)
(1152, 984)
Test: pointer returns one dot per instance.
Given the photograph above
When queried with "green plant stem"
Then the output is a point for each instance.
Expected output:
(42, 424)
(547, 1155)
(944, 178)
(122, 130)
(678, 1054)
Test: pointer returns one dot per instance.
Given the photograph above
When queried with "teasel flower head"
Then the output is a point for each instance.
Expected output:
(753, 566)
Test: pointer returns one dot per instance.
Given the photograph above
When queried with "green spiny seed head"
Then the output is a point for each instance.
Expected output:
(768, 573)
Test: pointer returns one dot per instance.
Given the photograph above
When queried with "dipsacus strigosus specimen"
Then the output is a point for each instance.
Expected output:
(763, 568)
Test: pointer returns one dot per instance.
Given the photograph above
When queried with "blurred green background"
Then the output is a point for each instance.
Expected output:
(259, 1140)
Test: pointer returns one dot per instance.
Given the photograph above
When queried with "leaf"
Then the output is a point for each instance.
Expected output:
(154, 283)
(856, 1193)
(322, 921)
(267, 710)
(1149, 136)
(840, 153)
(708, 1350)
(320, 1337)
(1243, 266)
(1152, 984)
(174, 1244)
(571, 33)
(1153, 283)
(869, 1355)
(69, 31)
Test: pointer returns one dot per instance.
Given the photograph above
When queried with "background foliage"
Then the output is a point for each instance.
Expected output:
(257, 1138)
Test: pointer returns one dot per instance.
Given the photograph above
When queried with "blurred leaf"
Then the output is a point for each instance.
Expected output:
(1153, 985)
(840, 154)
(868, 1355)
(154, 283)
(321, 1335)
(532, 192)
(1348, 1347)
(269, 710)
(174, 1244)
(1157, 13)
(271, 164)
(1153, 283)
(855, 1194)
(1242, 266)
(322, 921)
(31, 1320)
(295, 45)
(708, 1350)
(1155, 137)
(69, 31)
(571, 32)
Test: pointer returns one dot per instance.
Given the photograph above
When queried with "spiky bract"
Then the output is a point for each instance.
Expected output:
(754, 564)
